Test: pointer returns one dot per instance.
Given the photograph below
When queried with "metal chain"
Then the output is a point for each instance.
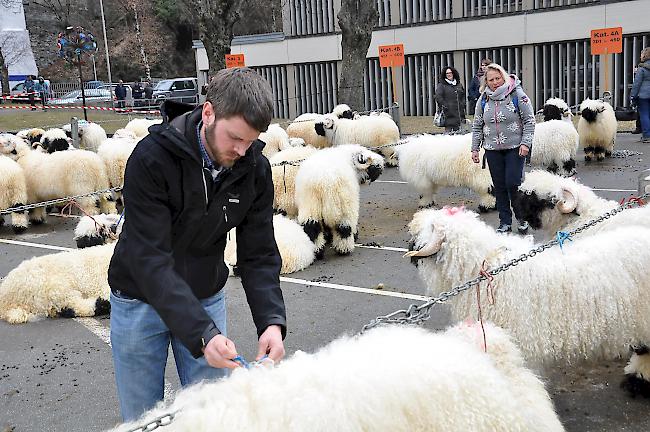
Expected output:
(55, 201)
(163, 420)
(417, 314)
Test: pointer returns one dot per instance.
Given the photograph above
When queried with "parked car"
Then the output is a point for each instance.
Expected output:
(93, 97)
(178, 89)
(19, 89)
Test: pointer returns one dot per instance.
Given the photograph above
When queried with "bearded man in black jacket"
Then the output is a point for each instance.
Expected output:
(193, 178)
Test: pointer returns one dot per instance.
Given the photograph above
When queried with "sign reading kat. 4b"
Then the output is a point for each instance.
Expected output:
(607, 41)
(391, 55)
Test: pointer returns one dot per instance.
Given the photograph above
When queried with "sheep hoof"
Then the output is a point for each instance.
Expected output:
(485, 209)
(102, 307)
(235, 271)
(320, 254)
(37, 221)
(635, 386)
(88, 241)
(600, 158)
(343, 253)
(2, 221)
(18, 229)
(608, 154)
(67, 313)
(588, 158)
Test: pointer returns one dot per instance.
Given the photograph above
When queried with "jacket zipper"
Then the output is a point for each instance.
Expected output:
(205, 190)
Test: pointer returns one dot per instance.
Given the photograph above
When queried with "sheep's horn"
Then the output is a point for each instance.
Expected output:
(568, 203)
(429, 249)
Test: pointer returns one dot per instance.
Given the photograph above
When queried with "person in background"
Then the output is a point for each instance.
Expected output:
(148, 93)
(474, 90)
(120, 93)
(188, 183)
(44, 92)
(640, 94)
(138, 92)
(30, 89)
(504, 125)
(450, 97)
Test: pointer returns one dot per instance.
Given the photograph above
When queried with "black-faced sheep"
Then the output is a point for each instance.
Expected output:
(597, 129)
(97, 230)
(555, 145)
(448, 383)
(59, 174)
(428, 162)
(284, 178)
(296, 249)
(327, 193)
(555, 203)
(276, 139)
(33, 135)
(65, 284)
(13, 193)
(587, 301)
(54, 140)
(368, 131)
(556, 109)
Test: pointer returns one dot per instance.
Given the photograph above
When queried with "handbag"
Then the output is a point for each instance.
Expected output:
(439, 118)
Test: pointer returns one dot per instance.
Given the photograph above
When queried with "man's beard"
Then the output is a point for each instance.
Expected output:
(219, 157)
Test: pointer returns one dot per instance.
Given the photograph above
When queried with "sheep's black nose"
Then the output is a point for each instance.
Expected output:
(374, 171)
(14, 151)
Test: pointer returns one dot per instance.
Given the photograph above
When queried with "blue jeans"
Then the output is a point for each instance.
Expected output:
(644, 115)
(507, 170)
(140, 342)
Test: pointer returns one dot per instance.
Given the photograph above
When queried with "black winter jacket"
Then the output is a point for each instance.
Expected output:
(452, 100)
(170, 251)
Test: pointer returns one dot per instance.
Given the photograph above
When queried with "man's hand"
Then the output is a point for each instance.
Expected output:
(271, 344)
(219, 352)
(523, 151)
(475, 158)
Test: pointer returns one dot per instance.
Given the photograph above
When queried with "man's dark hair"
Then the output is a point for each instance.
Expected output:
(241, 91)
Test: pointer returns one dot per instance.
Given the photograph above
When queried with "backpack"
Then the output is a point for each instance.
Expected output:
(515, 102)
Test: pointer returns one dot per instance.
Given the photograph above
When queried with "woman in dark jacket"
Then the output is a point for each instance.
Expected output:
(450, 97)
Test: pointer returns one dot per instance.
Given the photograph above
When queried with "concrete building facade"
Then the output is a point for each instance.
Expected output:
(545, 42)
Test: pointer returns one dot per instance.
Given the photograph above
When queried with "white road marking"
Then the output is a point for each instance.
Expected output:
(390, 181)
(36, 245)
(354, 289)
(388, 248)
(614, 190)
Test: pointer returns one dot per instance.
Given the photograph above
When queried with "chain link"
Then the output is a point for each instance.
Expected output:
(419, 314)
(55, 201)
(163, 420)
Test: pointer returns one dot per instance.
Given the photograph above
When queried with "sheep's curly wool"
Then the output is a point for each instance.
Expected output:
(555, 308)
(365, 383)
(13, 192)
(284, 178)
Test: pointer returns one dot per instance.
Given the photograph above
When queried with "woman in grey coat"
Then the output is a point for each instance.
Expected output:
(640, 94)
(450, 97)
(504, 125)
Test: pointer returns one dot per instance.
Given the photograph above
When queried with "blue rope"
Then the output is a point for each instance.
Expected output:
(562, 237)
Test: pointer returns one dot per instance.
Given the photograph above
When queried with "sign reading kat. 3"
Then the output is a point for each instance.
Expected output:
(607, 41)
(391, 55)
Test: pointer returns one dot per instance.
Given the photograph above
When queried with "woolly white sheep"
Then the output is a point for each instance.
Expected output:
(140, 127)
(296, 250)
(66, 284)
(585, 302)
(97, 230)
(364, 383)
(327, 193)
(284, 178)
(428, 162)
(33, 135)
(368, 131)
(60, 174)
(276, 139)
(343, 111)
(13, 193)
(115, 153)
(53, 140)
(91, 135)
(125, 133)
(303, 127)
(597, 129)
(557, 109)
(555, 145)
(555, 203)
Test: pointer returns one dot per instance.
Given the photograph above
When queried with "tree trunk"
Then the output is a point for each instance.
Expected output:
(5, 75)
(356, 18)
(138, 35)
(215, 21)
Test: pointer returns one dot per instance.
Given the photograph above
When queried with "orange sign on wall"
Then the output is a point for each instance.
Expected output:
(607, 41)
(234, 60)
(391, 55)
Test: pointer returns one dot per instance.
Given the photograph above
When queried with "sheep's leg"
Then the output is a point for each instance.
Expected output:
(37, 216)
(18, 315)
(427, 192)
(77, 306)
(390, 156)
(553, 167)
(314, 231)
(90, 205)
(18, 220)
(589, 153)
(569, 167)
(600, 153)
(636, 378)
(487, 201)
(343, 237)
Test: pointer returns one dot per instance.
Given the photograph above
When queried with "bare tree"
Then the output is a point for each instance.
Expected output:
(138, 35)
(12, 49)
(60, 8)
(216, 19)
(356, 18)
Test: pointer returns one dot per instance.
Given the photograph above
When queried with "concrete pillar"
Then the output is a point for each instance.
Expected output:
(528, 72)
(286, 18)
(459, 65)
(528, 5)
(337, 9)
(291, 91)
(457, 10)
(394, 13)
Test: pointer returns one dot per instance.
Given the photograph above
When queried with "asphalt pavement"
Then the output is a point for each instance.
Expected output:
(57, 374)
